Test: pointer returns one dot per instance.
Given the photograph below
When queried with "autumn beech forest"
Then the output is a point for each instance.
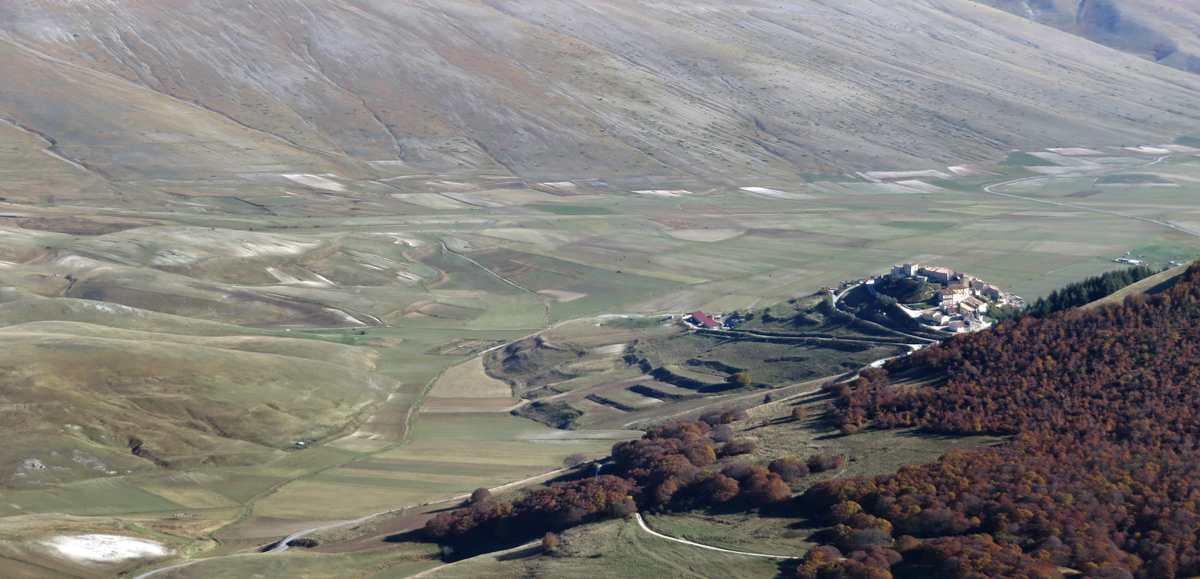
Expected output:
(1102, 475)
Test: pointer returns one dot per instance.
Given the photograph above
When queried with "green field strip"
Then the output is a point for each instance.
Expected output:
(628, 398)
(706, 378)
(300, 462)
(410, 467)
(241, 487)
(608, 268)
(108, 496)
(391, 483)
(511, 317)
(7, 510)
(570, 209)
(190, 497)
(731, 302)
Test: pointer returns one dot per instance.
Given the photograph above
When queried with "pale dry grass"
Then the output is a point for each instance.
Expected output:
(469, 380)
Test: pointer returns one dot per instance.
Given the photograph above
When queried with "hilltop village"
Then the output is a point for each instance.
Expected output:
(937, 297)
(962, 303)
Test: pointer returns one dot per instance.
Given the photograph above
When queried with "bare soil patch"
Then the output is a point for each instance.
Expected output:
(468, 405)
(462, 347)
(80, 225)
(1074, 151)
(892, 175)
(469, 380)
(678, 223)
(706, 235)
(562, 296)
(98, 548)
(382, 342)
(584, 392)
(317, 181)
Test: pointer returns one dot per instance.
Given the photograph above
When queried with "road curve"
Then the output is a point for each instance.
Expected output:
(285, 543)
(988, 189)
(162, 570)
(642, 524)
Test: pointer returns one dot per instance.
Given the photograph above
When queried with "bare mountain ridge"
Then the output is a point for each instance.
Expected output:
(224, 96)
(1165, 32)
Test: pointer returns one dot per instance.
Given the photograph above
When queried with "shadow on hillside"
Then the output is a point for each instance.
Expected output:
(521, 553)
(413, 536)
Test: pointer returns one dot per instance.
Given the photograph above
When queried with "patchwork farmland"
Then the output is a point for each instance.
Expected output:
(448, 336)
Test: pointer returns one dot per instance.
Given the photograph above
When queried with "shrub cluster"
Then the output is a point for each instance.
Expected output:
(556, 507)
(671, 465)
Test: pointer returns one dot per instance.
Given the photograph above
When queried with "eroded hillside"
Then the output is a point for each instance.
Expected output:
(1164, 32)
(220, 96)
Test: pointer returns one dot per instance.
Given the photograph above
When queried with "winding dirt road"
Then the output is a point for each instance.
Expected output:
(642, 524)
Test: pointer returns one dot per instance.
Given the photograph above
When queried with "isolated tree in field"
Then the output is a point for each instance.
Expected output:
(574, 460)
(741, 379)
(549, 542)
(479, 495)
(799, 413)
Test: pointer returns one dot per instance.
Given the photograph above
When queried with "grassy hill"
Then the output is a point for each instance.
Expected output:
(83, 400)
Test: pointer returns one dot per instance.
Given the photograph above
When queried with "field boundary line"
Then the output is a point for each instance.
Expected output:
(642, 524)
(988, 189)
(545, 301)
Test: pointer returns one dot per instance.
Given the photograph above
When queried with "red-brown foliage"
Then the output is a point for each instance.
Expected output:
(766, 489)
(736, 447)
(1103, 473)
(479, 495)
(789, 468)
(723, 416)
(558, 506)
(719, 488)
(821, 462)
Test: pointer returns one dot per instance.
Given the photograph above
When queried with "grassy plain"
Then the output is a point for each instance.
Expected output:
(613, 549)
(343, 316)
(395, 563)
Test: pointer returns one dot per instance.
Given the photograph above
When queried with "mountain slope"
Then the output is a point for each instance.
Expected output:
(228, 95)
(1165, 32)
